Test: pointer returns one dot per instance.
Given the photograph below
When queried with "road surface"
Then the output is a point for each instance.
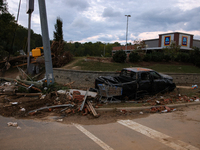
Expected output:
(176, 130)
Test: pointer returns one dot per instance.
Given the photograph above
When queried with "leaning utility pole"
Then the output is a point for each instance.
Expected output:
(29, 10)
(46, 42)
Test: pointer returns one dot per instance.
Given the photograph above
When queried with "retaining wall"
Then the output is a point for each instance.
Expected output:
(85, 79)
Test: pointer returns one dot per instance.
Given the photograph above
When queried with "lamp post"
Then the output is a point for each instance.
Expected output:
(127, 29)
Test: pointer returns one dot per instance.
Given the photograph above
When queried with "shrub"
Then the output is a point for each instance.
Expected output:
(134, 57)
(147, 57)
(167, 57)
(157, 56)
(119, 56)
(183, 57)
(195, 57)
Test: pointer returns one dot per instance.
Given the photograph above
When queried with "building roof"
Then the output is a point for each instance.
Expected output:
(175, 32)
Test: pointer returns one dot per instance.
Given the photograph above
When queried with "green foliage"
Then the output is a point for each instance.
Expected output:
(147, 57)
(89, 48)
(58, 34)
(3, 6)
(195, 56)
(167, 57)
(172, 50)
(157, 56)
(183, 57)
(134, 57)
(119, 56)
(53, 87)
(7, 29)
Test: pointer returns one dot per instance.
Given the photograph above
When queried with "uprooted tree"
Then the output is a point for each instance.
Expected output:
(60, 57)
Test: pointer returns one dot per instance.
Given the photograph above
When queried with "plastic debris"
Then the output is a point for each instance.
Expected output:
(141, 113)
(14, 124)
(14, 103)
(194, 86)
(43, 96)
(62, 92)
(22, 109)
(59, 120)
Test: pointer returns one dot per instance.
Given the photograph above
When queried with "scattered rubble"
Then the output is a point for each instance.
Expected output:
(70, 102)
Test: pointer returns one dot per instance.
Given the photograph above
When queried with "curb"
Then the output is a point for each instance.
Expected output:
(148, 107)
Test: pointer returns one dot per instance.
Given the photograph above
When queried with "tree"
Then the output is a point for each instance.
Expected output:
(58, 34)
(172, 50)
(7, 26)
(3, 7)
(119, 56)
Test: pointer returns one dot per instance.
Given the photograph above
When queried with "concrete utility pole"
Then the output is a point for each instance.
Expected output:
(46, 42)
(127, 29)
(29, 10)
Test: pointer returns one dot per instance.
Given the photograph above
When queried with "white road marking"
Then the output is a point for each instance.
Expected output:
(165, 139)
(94, 138)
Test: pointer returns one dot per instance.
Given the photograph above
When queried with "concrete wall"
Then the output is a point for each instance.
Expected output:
(84, 79)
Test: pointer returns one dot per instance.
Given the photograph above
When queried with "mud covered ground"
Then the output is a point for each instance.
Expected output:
(9, 108)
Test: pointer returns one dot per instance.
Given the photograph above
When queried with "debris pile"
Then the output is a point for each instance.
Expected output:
(60, 102)
(162, 109)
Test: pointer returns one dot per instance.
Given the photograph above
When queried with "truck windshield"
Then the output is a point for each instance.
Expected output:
(129, 74)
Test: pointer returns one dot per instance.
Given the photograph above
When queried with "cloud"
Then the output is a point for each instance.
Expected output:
(80, 5)
(110, 12)
(103, 20)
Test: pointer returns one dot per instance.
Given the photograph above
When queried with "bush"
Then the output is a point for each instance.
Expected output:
(195, 57)
(147, 57)
(183, 57)
(134, 57)
(167, 57)
(119, 56)
(157, 56)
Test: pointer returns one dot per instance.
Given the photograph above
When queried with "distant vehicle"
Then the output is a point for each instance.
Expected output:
(136, 82)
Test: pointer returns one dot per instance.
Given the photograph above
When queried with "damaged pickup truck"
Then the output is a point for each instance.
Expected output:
(137, 82)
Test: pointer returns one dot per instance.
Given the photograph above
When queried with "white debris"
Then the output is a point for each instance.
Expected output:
(14, 103)
(43, 96)
(14, 124)
(164, 111)
(22, 109)
(141, 113)
(61, 91)
(59, 120)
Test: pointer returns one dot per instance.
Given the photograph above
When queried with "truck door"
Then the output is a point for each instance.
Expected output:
(159, 83)
(145, 83)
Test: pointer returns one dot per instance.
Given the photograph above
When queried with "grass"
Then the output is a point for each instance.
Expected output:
(100, 66)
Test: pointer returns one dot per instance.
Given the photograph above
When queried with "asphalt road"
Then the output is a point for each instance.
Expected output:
(176, 130)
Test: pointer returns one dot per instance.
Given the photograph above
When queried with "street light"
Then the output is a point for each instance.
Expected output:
(127, 29)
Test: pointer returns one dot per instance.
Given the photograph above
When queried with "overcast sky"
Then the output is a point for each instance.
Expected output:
(105, 21)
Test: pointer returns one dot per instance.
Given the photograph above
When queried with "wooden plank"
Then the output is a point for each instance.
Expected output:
(92, 109)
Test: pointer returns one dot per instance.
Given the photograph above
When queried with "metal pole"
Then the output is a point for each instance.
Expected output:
(104, 50)
(29, 38)
(46, 42)
(126, 32)
(127, 29)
